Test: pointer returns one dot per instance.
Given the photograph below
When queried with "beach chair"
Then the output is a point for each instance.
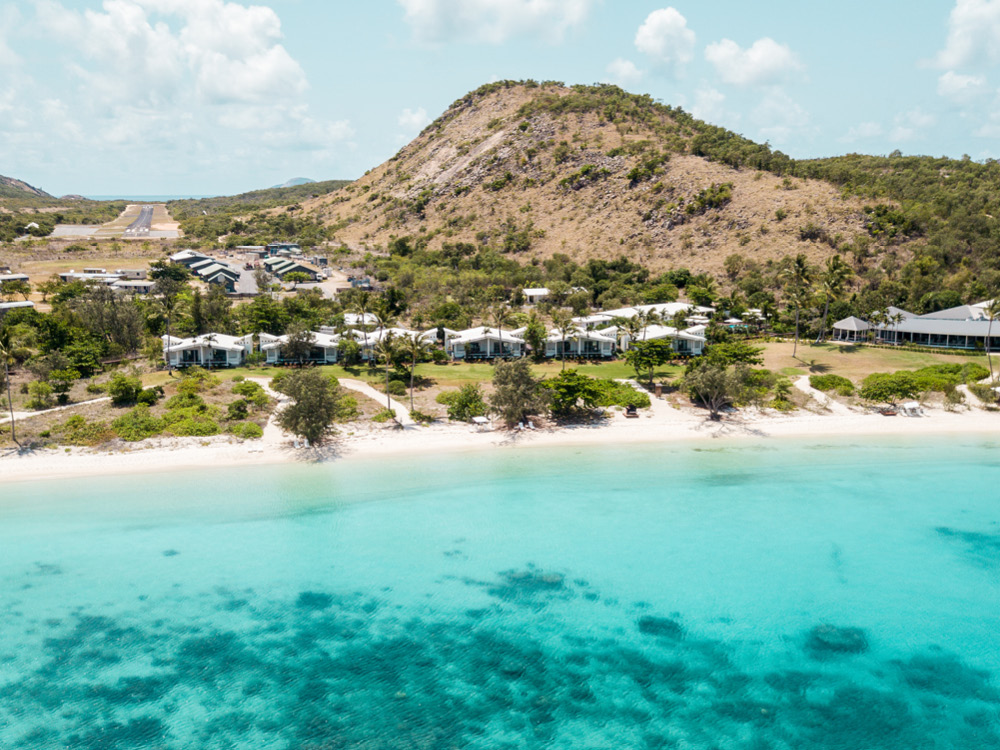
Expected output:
(631, 412)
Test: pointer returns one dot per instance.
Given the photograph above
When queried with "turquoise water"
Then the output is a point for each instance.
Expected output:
(784, 595)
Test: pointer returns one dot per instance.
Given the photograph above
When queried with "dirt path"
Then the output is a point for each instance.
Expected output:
(824, 401)
(402, 413)
(19, 415)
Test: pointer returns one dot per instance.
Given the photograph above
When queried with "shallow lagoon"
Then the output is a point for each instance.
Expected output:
(768, 595)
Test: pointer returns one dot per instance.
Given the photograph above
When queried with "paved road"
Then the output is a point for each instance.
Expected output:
(140, 227)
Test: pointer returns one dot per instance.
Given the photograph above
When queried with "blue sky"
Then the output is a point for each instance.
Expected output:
(219, 96)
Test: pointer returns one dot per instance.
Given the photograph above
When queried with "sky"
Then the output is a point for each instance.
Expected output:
(207, 97)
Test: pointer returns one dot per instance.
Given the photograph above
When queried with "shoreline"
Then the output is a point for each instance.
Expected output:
(663, 423)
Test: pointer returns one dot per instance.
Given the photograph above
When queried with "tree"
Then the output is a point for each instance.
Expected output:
(563, 325)
(415, 349)
(112, 317)
(263, 279)
(297, 277)
(124, 389)
(517, 393)
(170, 280)
(465, 403)
(535, 335)
(500, 316)
(798, 277)
(315, 404)
(832, 284)
(361, 305)
(569, 388)
(646, 356)
(299, 344)
(6, 354)
(992, 312)
(13, 288)
(385, 318)
(715, 386)
(735, 352)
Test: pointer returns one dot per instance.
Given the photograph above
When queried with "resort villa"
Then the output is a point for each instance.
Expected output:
(323, 351)
(962, 327)
(580, 344)
(207, 350)
(483, 342)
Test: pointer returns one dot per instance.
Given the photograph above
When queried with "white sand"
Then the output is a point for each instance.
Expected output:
(661, 423)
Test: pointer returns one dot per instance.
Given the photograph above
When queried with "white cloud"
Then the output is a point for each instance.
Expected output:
(10, 19)
(973, 34)
(909, 126)
(764, 62)
(413, 120)
(623, 72)
(863, 131)
(960, 88)
(492, 21)
(665, 37)
(778, 117)
(708, 105)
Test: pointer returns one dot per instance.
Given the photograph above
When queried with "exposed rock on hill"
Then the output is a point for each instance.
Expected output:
(589, 172)
(10, 187)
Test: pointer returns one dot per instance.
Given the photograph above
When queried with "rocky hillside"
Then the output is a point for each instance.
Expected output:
(12, 188)
(592, 172)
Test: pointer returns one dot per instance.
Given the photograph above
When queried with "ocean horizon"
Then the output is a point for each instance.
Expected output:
(806, 594)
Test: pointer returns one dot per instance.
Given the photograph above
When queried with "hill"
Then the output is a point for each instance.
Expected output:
(295, 182)
(593, 172)
(17, 189)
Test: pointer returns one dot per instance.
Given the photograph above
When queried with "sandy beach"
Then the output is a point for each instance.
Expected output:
(661, 423)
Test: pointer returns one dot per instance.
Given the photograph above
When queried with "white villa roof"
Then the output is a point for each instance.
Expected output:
(13, 277)
(358, 319)
(481, 333)
(431, 334)
(669, 332)
(596, 318)
(326, 340)
(13, 305)
(540, 291)
(852, 324)
(213, 340)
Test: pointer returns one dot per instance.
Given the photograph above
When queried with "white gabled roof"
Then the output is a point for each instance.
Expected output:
(481, 333)
(359, 319)
(325, 340)
(536, 291)
(213, 340)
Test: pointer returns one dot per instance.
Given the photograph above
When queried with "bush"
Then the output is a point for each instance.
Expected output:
(465, 403)
(238, 378)
(613, 393)
(384, 416)
(396, 388)
(124, 389)
(96, 388)
(41, 395)
(137, 424)
(149, 396)
(78, 431)
(198, 426)
(246, 430)
(420, 418)
(237, 411)
(197, 380)
(889, 386)
(185, 401)
(827, 383)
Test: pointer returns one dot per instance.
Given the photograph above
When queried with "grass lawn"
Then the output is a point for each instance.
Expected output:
(853, 362)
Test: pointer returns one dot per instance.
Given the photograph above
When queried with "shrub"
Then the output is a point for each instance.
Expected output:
(889, 386)
(197, 380)
(124, 389)
(613, 393)
(41, 395)
(246, 430)
(248, 387)
(96, 388)
(238, 378)
(384, 416)
(149, 396)
(420, 418)
(78, 431)
(237, 411)
(827, 383)
(184, 401)
(199, 426)
(396, 388)
(137, 424)
(465, 403)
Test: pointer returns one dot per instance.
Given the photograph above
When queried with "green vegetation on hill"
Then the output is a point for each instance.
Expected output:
(243, 219)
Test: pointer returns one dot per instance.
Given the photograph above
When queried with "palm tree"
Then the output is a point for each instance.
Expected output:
(562, 323)
(5, 355)
(362, 306)
(500, 316)
(630, 326)
(798, 277)
(647, 318)
(415, 348)
(385, 319)
(992, 312)
(896, 319)
(832, 284)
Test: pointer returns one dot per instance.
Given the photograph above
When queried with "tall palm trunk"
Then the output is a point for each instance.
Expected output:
(822, 330)
(10, 401)
(795, 347)
(989, 358)
(413, 370)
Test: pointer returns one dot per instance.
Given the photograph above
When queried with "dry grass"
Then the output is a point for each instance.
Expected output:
(604, 220)
(852, 362)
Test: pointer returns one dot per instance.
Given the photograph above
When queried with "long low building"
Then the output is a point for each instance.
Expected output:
(962, 327)
(323, 349)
